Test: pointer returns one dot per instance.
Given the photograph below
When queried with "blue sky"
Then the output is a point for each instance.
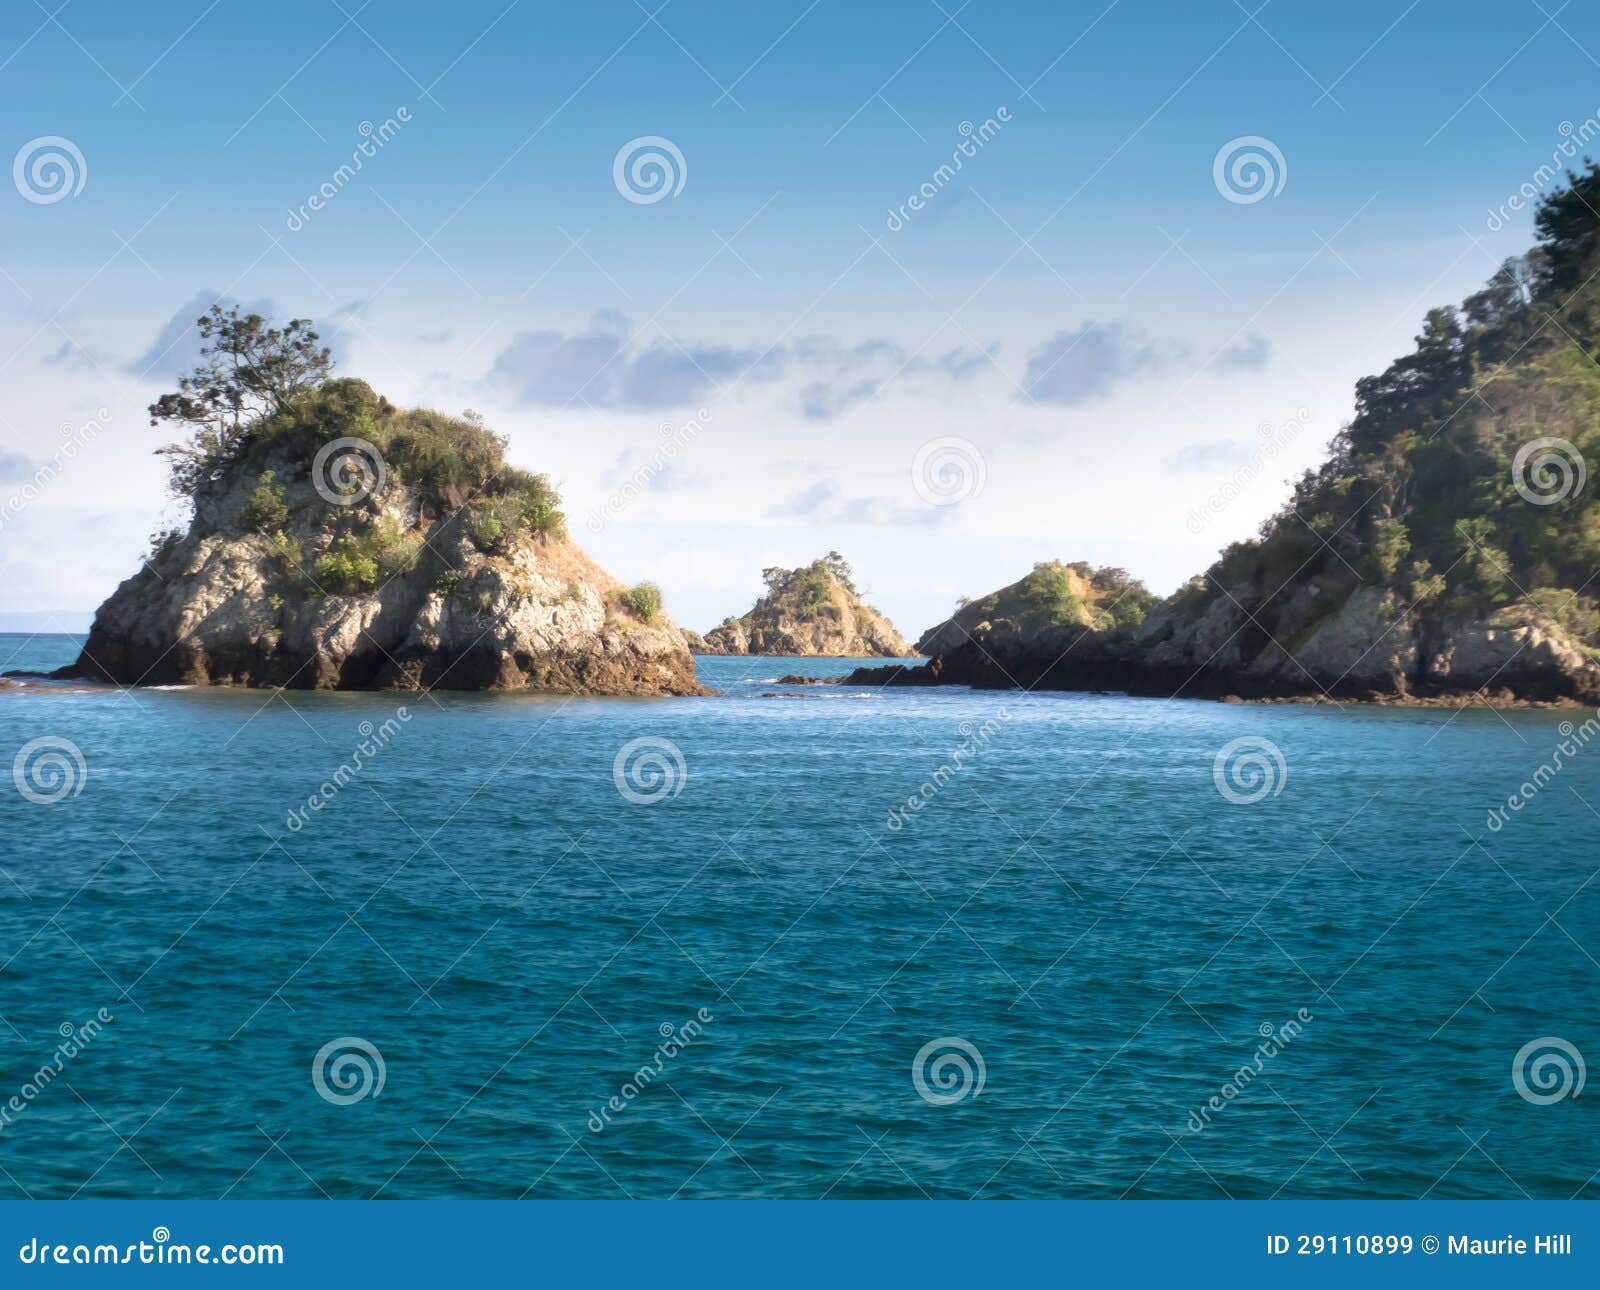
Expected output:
(1081, 304)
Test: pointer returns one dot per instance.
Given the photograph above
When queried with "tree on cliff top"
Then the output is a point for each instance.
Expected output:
(248, 370)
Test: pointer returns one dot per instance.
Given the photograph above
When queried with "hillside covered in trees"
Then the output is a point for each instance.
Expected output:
(1450, 544)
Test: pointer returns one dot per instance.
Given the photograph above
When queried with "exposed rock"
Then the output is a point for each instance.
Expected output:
(1366, 647)
(413, 586)
(810, 611)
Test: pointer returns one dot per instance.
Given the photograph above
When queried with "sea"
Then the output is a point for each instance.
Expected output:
(792, 940)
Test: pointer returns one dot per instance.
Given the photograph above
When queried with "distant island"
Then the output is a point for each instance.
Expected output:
(814, 610)
(1449, 546)
(339, 542)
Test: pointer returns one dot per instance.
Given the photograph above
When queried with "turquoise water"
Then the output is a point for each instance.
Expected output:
(1075, 900)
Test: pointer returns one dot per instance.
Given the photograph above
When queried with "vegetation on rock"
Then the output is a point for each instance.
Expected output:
(810, 610)
(338, 541)
(1426, 492)
(642, 600)
(1053, 594)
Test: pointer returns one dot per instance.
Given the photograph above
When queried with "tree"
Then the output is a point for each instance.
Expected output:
(248, 370)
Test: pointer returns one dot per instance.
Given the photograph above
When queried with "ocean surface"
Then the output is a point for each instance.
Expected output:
(493, 961)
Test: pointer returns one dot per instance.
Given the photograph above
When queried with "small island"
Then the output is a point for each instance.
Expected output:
(812, 611)
(340, 542)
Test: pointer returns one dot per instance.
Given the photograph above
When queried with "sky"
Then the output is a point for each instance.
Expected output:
(715, 268)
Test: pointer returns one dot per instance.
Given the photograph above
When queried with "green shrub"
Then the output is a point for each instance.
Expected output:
(450, 456)
(286, 549)
(342, 408)
(266, 509)
(1122, 597)
(1047, 597)
(537, 502)
(345, 568)
(491, 525)
(516, 502)
(1577, 615)
(643, 601)
(1390, 545)
(1425, 584)
(367, 560)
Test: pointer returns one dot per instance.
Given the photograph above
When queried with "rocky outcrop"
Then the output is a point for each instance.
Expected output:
(1365, 646)
(811, 611)
(281, 582)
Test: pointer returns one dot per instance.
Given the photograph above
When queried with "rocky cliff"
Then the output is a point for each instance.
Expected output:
(350, 545)
(813, 610)
(1368, 648)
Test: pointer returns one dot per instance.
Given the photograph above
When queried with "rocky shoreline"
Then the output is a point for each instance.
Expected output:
(418, 559)
(1515, 658)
